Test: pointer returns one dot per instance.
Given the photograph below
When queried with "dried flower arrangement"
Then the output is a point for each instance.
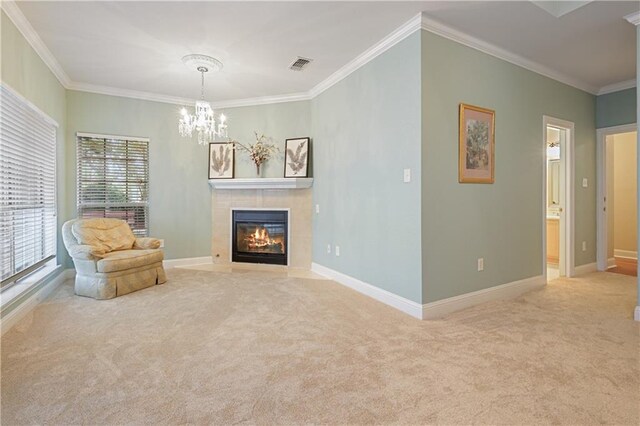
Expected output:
(260, 151)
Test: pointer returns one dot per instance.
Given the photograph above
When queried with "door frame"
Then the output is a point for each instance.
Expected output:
(601, 176)
(567, 228)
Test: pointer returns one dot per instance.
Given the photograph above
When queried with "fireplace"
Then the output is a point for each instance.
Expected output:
(260, 236)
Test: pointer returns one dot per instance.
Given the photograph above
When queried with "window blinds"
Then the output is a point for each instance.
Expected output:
(27, 187)
(113, 179)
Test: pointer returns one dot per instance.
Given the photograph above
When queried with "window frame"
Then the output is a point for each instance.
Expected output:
(83, 205)
(46, 261)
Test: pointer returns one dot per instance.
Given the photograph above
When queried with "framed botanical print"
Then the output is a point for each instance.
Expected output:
(476, 151)
(296, 157)
(221, 160)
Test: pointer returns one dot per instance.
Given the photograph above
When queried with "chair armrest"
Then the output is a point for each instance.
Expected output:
(146, 243)
(85, 252)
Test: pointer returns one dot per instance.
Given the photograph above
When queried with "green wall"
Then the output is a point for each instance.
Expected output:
(366, 130)
(501, 222)
(616, 109)
(24, 71)
(419, 240)
(179, 194)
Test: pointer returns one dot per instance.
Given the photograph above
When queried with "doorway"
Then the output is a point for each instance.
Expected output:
(617, 200)
(558, 253)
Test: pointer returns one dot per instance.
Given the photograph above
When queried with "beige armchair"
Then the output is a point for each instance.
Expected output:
(110, 261)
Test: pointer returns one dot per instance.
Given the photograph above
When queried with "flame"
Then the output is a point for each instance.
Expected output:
(259, 239)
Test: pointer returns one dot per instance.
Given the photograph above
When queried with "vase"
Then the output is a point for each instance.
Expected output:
(258, 170)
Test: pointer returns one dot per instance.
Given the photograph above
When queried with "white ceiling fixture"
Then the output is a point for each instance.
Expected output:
(203, 121)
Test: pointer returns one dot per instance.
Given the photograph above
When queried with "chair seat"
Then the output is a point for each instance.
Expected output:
(126, 259)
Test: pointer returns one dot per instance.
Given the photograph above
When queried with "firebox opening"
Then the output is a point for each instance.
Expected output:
(260, 236)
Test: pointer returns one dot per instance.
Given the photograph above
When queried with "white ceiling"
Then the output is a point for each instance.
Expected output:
(137, 46)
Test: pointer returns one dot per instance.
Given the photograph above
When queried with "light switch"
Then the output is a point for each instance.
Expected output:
(317, 208)
(585, 183)
(407, 175)
(337, 250)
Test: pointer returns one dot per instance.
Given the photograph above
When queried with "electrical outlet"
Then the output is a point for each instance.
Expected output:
(480, 264)
(407, 175)
(584, 246)
(585, 182)
(337, 250)
(329, 248)
(161, 243)
(317, 208)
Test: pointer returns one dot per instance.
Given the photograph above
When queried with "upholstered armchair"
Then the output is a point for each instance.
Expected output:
(110, 261)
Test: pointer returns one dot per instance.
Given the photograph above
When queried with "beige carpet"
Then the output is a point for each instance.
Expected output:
(249, 347)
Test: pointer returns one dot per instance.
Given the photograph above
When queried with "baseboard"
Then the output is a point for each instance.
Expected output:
(611, 262)
(636, 313)
(627, 254)
(29, 304)
(187, 261)
(402, 304)
(510, 290)
(586, 269)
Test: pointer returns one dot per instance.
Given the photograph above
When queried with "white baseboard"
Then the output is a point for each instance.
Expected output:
(510, 290)
(434, 309)
(187, 261)
(628, 254)
(28, 305)
(586, 269)
(402, 304)
(636, 313)
(611, 262)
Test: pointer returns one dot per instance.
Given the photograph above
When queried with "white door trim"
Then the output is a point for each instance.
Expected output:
(567, 232)
(601, 167)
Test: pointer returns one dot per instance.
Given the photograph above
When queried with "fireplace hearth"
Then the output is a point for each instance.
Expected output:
(260, 236)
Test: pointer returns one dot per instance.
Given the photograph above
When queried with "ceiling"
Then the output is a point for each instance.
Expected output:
(138, 46)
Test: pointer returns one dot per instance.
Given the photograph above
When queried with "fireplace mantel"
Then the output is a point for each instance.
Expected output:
(261, 183)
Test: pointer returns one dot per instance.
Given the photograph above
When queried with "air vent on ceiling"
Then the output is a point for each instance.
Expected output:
(299, 64)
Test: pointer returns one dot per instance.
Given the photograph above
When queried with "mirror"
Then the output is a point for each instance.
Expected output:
(553, 183)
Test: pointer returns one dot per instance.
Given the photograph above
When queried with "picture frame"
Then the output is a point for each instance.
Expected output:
(222, 160)
(476, 145)
(296, 157)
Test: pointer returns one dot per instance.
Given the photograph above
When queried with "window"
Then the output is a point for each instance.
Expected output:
(113, 179)
(27, 187)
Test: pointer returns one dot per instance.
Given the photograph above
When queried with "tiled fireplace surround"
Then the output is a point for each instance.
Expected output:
(298, 201)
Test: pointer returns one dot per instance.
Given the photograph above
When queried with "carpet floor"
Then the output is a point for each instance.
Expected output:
(262, 348)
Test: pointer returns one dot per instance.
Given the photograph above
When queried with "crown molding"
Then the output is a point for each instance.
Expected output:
(616, 87)
(420, 21)
(452, 34)
(29, 33)
(368, 55)
(263, 100)
(633, 18)
(154, 97)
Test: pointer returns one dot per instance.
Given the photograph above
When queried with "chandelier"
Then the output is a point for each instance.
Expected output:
(203, 121)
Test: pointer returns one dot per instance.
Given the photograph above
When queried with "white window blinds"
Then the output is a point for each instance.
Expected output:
(27, 187)
(113, 179)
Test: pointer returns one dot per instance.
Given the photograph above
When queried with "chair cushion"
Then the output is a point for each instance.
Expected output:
(104, 234)
(127, 259)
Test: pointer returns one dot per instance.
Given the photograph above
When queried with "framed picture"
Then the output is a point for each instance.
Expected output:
(221, 160)
(476, 145)
(296, 157)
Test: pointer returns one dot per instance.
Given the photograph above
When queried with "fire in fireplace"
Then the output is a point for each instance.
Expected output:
(260, 236)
